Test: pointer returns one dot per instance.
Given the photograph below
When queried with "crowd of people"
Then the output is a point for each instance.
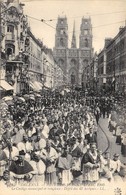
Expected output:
(117, 127)
(54, 142)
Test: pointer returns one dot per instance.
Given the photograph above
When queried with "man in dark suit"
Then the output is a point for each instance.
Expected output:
(91, 136)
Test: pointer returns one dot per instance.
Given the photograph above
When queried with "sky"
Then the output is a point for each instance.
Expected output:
(106, 17)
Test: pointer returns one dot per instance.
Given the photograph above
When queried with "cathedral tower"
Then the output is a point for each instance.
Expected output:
(73, 43)
(85, 50)
(61, 44)
(85, 34)
(73, 61)
(61, 37)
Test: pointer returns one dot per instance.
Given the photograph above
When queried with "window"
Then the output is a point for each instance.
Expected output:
(72, 78)
(10, 29)
(73, 62)
(102, 70)
(85, 62)
(10, 49)
(62, 42)
(61, 62)
(86, 42)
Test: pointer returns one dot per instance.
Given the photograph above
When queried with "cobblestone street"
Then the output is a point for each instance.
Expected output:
(103, 142)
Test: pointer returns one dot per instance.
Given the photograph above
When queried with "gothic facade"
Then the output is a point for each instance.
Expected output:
(73, 61)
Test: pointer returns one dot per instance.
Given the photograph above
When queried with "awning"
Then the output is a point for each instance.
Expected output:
(35, 86)
(32, 85)
(1, 89)
(38, 85)
(6, 86)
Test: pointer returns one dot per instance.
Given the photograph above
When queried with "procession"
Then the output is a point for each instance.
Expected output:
(54, 141)
(62, 94)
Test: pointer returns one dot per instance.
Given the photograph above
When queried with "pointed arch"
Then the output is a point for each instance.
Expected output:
(73, 75)
(85, 62)
(86, 42)
(73, 62)
(61, 62)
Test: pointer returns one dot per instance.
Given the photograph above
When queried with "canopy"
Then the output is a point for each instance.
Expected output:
(6, 86)
(32, 85)
(7, 98)
(38, 85)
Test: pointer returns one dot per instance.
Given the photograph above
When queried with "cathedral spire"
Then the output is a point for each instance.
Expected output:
(73, 44)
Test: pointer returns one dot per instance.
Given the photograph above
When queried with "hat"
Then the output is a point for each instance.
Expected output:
(116, 155)
(6, 172)
(73, 138)
(22, 152)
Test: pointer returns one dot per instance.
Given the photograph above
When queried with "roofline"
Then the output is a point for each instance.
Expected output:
(119, 33)
(33, 37)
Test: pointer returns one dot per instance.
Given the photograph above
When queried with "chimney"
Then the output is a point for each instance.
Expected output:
(107, 41)
(121, 27)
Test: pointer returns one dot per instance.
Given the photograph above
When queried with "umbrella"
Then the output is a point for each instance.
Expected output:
(31, 95)
(10, 102)
(32, 98)
(7, 98)
(67, 90)
(3, 105)
(38, 95)
(26, 96)
(21, 98)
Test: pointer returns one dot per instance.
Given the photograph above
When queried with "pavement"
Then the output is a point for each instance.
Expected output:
(103, 142)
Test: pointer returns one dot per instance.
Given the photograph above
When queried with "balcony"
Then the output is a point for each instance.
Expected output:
(10, 37)
(11, 57)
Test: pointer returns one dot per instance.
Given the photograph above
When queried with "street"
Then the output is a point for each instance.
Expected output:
(103, 142)
(62, 66)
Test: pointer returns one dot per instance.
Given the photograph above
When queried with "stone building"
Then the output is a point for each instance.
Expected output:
(33, 53)
(15, 25)
(22, 54)
(102, 76)
(93, 72)
(116, 61)
(112, 63)
(73, 61)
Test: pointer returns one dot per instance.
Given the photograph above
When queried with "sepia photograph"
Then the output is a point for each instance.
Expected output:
(63, 97)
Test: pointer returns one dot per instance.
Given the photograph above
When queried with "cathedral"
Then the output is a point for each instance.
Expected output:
(73, 61)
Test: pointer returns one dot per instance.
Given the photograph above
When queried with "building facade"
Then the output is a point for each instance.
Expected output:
(112, 63)
(52, 73)
(102, 76)
(34, 68)
(93, 72)
(22, 55)
(116, 61)
(73, 61)
(13, 44)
